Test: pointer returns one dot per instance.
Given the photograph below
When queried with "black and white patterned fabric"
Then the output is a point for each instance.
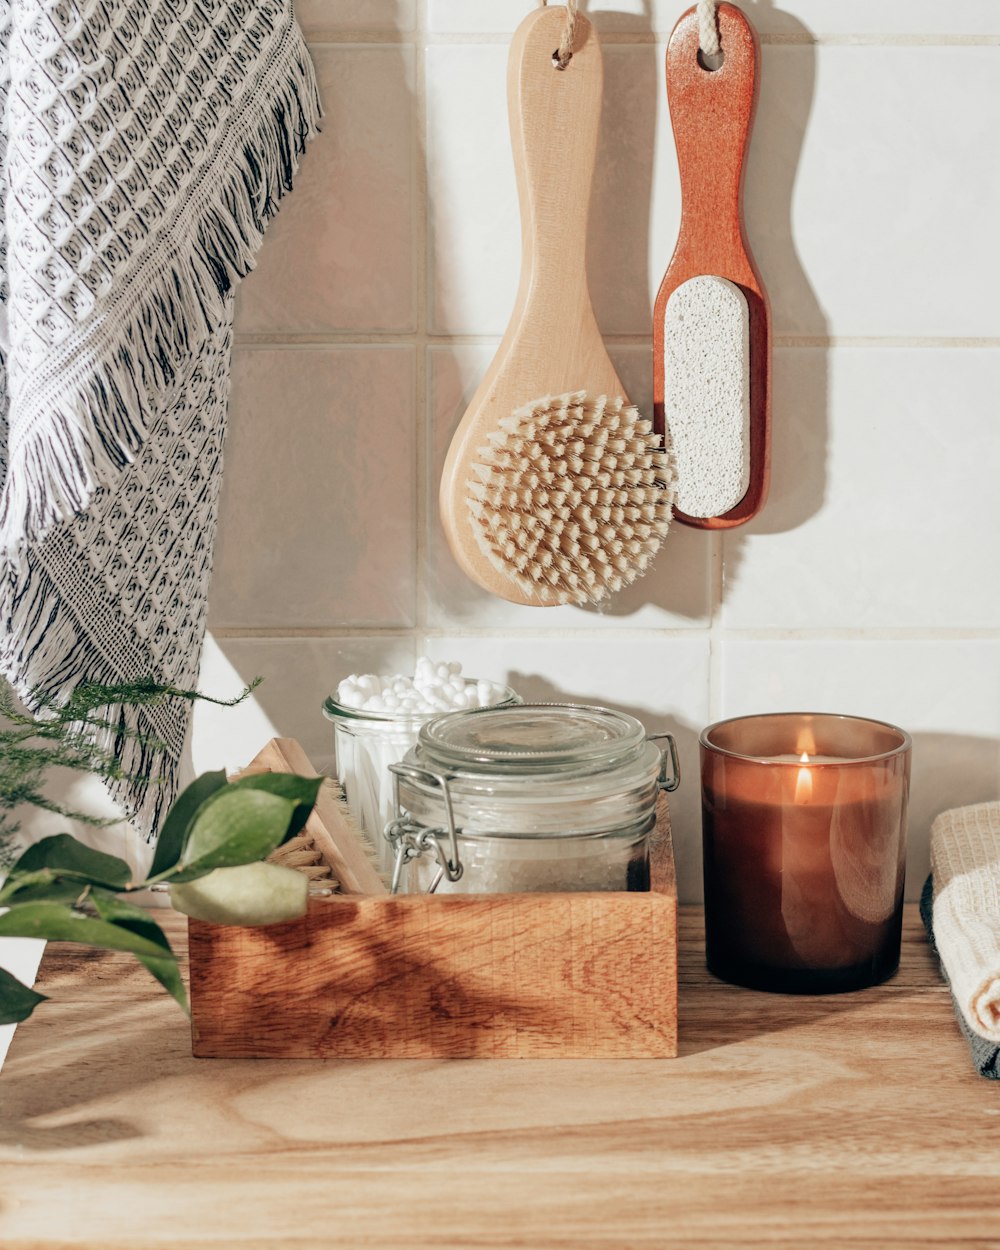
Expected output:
(144, 145)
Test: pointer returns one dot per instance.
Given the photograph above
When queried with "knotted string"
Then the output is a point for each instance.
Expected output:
(564, 53)
(708, 27)
(708, 31)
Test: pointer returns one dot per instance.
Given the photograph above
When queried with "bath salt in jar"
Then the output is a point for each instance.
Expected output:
(540, 797)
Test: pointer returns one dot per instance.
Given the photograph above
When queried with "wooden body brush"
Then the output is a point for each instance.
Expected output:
(712, 321)
(554, 489)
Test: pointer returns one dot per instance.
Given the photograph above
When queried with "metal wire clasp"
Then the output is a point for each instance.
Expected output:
(411, 840)
(668, 781)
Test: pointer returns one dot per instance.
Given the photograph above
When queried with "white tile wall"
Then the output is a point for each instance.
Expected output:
(868, 585)
(881, 515)
(339, 256)
(335, 19)
(297, 676)
(945, 693)
(863, 192)
(316, 520)
(794, 18)
(663, 683)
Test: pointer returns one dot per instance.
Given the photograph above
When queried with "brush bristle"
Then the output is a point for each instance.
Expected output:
(572, 497)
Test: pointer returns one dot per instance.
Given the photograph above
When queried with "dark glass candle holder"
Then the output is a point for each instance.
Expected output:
(804, 822)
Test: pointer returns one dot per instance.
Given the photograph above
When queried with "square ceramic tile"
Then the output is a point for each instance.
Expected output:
(339, 254)
(674, 594)
(475, 233)
(474, 240)
(862, 192)
(298, 675)
(332, 19)
(316, 524)
(946, 694)
(635, 208)
(883, 510)
(662, 681)
(795, 18)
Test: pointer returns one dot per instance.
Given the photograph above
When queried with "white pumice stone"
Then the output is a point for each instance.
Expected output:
(706, 387)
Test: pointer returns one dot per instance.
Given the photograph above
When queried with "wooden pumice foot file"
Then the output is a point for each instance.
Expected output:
(712, 318)
(555, 489)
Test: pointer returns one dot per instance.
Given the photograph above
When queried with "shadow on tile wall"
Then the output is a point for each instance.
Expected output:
(948, 770)
(799, 418)
(625, 244)
(684, 803)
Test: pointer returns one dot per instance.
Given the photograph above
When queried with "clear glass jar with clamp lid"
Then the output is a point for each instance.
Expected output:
(542, 797)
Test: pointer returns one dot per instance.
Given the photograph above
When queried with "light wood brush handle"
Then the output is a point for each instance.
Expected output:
(712, 112)
(554, 117)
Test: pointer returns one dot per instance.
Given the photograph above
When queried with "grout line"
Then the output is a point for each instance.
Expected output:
(427, 338)
(787, 39)
(421, 227)
(888, 633)
(717, 573)
(884, 341)
(697, 629)
(806, 39)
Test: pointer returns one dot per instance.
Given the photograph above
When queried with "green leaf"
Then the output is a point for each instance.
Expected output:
(17, 1001)
(58, 923)
(239, 825)
(302, 791)
(127, 916)
(43, 886)
(68, 857)
(249, 894)
(175, 828)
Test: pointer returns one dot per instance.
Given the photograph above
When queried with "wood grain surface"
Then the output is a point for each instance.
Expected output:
(712, 115)
(455, 976)
(786, 1122)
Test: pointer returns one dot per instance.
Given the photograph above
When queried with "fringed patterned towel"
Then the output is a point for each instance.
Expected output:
(144, 146)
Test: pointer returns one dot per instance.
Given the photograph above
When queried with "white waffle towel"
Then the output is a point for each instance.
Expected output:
(143, 147)
(965, 861)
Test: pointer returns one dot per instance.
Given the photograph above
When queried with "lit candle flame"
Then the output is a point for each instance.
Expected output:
(804, 781)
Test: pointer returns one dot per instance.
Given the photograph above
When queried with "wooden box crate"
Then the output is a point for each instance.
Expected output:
(455, 976)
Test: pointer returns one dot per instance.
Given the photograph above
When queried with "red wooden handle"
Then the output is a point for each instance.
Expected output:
(711, 112)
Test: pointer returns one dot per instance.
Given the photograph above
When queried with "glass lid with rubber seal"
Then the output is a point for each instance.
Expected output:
(561, 738)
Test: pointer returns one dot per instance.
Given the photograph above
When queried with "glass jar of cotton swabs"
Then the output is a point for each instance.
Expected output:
(376, 721)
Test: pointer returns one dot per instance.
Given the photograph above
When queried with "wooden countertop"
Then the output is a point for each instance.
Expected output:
(788, 1122)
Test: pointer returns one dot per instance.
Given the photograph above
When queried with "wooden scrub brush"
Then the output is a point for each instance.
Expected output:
(330, 850)
(555, 489)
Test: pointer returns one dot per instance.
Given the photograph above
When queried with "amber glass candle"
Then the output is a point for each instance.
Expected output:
(804, 822)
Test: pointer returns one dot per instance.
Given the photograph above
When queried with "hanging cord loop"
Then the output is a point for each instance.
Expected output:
(708, 27)
(564, 53)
